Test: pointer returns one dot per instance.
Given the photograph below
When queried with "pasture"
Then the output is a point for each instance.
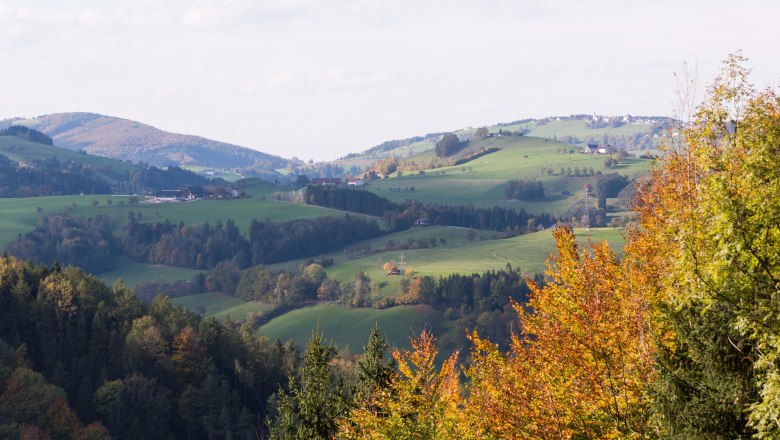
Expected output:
(481, 182)
(20, 150)
(18, 216)
(349, 328)
(457, 254)
(219, 306)
(527, 252)
(133, 273)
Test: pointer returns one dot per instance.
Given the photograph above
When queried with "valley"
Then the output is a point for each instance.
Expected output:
(423, 251)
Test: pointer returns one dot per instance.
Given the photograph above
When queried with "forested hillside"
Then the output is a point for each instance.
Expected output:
(75, 352)
(31, 166)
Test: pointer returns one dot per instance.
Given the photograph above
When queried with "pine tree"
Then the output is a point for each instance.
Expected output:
(373, 371)
(315, 402)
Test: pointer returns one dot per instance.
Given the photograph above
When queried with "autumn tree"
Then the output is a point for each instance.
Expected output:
(578, 366)
(420, 403)
(711, 238)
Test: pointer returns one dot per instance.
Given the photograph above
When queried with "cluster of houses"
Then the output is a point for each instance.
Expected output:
(335, 181)
(598, 149)
(196, 193)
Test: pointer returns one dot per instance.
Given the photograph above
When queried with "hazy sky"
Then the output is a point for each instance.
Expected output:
(319, 79)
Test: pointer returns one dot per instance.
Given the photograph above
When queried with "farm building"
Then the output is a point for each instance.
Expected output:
(422, 221)
(326, 181)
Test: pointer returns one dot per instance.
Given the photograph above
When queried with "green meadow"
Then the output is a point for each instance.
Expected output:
(133, 273)
(349, 328)
(220, 306)
(20, 150)
(527, 252)
(227, 176)
(18, 216)
(580, 129)
(481, 182)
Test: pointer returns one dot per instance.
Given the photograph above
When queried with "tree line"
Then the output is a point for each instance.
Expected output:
(402, 215)
(198, 246)
(524, 189)
(48, 177)
(27, 133)
(90, 242)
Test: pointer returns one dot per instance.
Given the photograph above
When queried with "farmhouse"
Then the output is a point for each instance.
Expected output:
(395, 271)
(592, 149)
(356, 182)
(422, 221)
(170, 195)
(194, 192)
(598, 149)
(219, 192)
(326, 181)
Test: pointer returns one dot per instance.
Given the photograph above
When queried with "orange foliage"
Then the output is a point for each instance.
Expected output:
(582, 358)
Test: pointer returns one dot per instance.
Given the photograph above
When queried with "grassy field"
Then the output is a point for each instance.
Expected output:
(580, 129)
(18, 216)
(349, 328)
(219, 305)
(18, 150)
(227, 176)
(481, 182)
(362, 256)
(258, 188)
(452, 236)
(527, 252)
(134, 273)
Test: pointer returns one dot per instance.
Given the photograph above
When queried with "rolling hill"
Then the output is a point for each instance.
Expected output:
(626, 132)
(484, 166)
(124, 139)
(22, 150)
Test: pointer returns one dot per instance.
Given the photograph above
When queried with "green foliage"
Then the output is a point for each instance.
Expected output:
(87, 243)
(713, 212)
(315, 402)
(610, 184)
(127, 364)
(23, 132)
(525, 189)
(374, 372)
(448, 145)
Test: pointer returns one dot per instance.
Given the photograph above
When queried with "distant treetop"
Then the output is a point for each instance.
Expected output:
(29, 134)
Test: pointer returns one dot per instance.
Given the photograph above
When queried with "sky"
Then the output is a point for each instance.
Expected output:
(317, 79)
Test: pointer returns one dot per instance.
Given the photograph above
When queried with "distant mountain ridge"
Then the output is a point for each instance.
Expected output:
(125, 139)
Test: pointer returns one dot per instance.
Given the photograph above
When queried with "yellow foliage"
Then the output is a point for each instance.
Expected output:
(581, 360)
(421, 402)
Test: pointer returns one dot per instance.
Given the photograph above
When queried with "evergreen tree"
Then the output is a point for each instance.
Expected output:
(315, 401)
(374, 372)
